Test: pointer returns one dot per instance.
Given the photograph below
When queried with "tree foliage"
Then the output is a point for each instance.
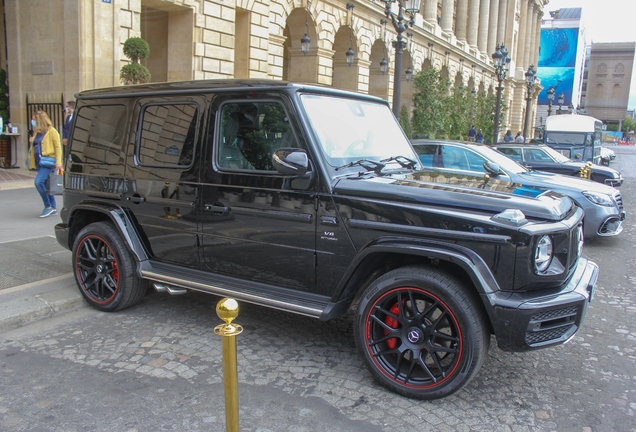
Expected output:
(446, 113)
(629, 125)
(4, 97)
(405, 121)
(135, 48)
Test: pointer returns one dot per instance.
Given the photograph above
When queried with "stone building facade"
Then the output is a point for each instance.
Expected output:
(65, 46)
(607, 80)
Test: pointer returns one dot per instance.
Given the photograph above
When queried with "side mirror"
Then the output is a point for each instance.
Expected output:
(290, 161)
(492, 168)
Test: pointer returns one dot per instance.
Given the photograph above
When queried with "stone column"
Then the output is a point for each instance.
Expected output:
(521, 36)
(484, 25)
(430, 11)
(501, 23)
(533, 39)
(462, 19)
(448, 7)
(528, 35)
(537, 37)
(473, 23)
(492, 26)
(508, 31)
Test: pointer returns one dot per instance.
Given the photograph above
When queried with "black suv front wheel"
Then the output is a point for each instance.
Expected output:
(420, 332)
(105, 269)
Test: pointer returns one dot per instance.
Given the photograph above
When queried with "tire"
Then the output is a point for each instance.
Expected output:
(104, 269)
(429, 354)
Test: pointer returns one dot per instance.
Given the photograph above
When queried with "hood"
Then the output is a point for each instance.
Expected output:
(563, 184)
(610, 172)
(430, 187)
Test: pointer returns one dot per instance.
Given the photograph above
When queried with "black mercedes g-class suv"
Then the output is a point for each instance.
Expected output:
(311, 200)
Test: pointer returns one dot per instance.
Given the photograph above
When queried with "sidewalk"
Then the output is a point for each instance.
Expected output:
(16, 178)
(34, 301)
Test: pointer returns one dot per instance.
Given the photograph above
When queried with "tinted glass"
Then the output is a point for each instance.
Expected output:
(426, 153)
(168, 134)
(250, 133)
(512, 153)
(97, 134)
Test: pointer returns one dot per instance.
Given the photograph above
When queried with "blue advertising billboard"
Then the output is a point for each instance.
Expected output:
(558, 49)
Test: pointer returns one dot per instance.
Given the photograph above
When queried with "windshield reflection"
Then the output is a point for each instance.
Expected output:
(555, 155)
(349, 130)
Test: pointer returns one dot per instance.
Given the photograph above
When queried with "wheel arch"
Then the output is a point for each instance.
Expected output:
(85, 214)
(387, 254)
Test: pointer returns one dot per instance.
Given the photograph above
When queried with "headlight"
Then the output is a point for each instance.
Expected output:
(599, 199)
(543, 254)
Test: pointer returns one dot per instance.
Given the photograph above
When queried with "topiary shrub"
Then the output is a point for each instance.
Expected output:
(135, 48)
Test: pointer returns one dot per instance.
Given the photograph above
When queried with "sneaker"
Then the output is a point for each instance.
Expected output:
(54, 213)
(47, 212)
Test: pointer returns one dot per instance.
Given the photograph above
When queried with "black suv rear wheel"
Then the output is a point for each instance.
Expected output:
(105, 269)
(421, 333)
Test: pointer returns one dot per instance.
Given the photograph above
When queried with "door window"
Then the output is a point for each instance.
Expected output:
(512, 153)
(250, 133)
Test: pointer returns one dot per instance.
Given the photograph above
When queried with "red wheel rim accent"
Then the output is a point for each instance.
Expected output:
(97, 269)
(419, 344)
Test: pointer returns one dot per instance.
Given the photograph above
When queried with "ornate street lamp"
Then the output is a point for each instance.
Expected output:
(501, 62)
(350, 54)
(305, 42)
(383, 64)
(530, 79)
(400, 24)
(409, 72)
(561, 101)
(550, 99)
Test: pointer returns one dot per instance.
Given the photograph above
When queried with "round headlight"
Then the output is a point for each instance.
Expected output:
(543, 254)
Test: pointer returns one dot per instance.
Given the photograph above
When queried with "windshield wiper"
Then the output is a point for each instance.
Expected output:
(409, 164)
(367, 164)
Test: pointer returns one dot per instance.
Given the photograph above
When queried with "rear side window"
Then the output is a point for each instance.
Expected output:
(512, 153)
(250, 133)
(97, 134)
(167, 135)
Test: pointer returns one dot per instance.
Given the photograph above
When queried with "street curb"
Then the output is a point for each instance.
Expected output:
(38, 300)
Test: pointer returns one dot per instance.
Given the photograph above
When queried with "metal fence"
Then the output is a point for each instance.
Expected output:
(51, 103)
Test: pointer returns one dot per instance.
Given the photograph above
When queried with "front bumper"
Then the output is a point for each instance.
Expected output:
(61, 234)
(532, 320)
(615, 182)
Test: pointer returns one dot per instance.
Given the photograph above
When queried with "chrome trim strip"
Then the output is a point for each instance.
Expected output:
(462, 235)
(211, 289)
(272, 214)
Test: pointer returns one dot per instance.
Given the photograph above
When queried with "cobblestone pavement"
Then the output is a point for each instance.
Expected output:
(158, 366)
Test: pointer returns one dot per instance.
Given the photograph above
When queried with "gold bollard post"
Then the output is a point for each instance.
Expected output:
(589, 170)
(582, 172)
(227, 310)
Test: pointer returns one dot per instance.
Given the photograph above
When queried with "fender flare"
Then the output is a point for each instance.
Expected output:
(467, 259)
(123, 223)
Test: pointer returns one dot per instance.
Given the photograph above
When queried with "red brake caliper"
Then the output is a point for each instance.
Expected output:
(116, 272)
(392, 323)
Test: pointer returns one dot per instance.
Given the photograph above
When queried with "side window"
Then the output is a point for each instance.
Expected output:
(512, 153)
(250, 133)
(97, 134)
(536, 155)
(167, 135)
(475, 162)
(454, 158)
(426, 153)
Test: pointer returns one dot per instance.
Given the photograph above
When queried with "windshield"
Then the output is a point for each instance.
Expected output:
(565, 138)
(555, 155)
(349, 130)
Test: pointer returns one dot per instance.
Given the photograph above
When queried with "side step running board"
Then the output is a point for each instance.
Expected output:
(177, 280)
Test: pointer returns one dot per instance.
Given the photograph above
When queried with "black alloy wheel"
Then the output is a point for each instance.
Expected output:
(104, 268)
(421, 333)
(97, 269)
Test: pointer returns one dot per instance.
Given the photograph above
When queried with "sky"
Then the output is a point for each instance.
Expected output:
(605, 21)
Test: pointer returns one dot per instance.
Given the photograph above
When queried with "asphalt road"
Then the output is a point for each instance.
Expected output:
(157, 366)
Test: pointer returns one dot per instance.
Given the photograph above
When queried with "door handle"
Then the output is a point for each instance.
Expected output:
(136, 198)
(216, 208)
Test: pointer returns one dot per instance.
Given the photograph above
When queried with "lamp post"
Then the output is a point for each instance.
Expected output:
(501, 61)
(561, 101)
(305, 42)
(400, 24)
(550, 99)
(350, 55)
(530, 79)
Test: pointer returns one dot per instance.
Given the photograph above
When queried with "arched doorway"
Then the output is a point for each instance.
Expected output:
(345, 76)
(378, 81)
(298, 66)
(406, 88)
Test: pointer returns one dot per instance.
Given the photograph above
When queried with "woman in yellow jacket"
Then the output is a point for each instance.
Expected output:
(45, 143)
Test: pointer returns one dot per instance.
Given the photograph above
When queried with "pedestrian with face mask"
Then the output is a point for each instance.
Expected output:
(46, 156)
(70, 109)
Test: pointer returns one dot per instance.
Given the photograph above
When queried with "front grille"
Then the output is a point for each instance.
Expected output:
(551, 325)
(619, 200)
(546, 335)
